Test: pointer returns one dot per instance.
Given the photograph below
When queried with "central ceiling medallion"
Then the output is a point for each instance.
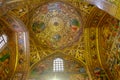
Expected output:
(56, 25)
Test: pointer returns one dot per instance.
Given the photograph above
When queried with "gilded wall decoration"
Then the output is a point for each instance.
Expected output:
(34, 56)
(78, 77)
(57, 25)
(20, 40)
(5, 63)
(6, 52)
(115, 2)
(93, 60)
(109, 39)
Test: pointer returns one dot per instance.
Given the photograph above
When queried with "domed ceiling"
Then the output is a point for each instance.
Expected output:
(56, 25)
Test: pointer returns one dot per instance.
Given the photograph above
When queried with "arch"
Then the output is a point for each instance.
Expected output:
(45, 67)
(19, 46)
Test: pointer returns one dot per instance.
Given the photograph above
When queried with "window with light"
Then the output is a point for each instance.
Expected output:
(3, 40)
(58, 65)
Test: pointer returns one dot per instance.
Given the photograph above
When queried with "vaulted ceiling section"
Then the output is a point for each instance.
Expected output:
(84, 33)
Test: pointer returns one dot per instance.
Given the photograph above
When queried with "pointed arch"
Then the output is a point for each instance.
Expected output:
(19, 44)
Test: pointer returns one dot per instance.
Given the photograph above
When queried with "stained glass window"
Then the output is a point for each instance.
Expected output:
(58, 65)
(3, 40)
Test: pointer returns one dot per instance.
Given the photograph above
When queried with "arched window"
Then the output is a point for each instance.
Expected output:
(58, 65)
(3, 40)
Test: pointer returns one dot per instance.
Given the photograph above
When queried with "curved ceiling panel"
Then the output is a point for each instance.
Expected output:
(56, 25)
(63, 66)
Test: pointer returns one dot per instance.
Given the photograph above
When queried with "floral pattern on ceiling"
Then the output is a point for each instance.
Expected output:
(56, 25)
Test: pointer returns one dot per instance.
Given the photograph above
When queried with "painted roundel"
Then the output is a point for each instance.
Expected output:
(56, 25)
